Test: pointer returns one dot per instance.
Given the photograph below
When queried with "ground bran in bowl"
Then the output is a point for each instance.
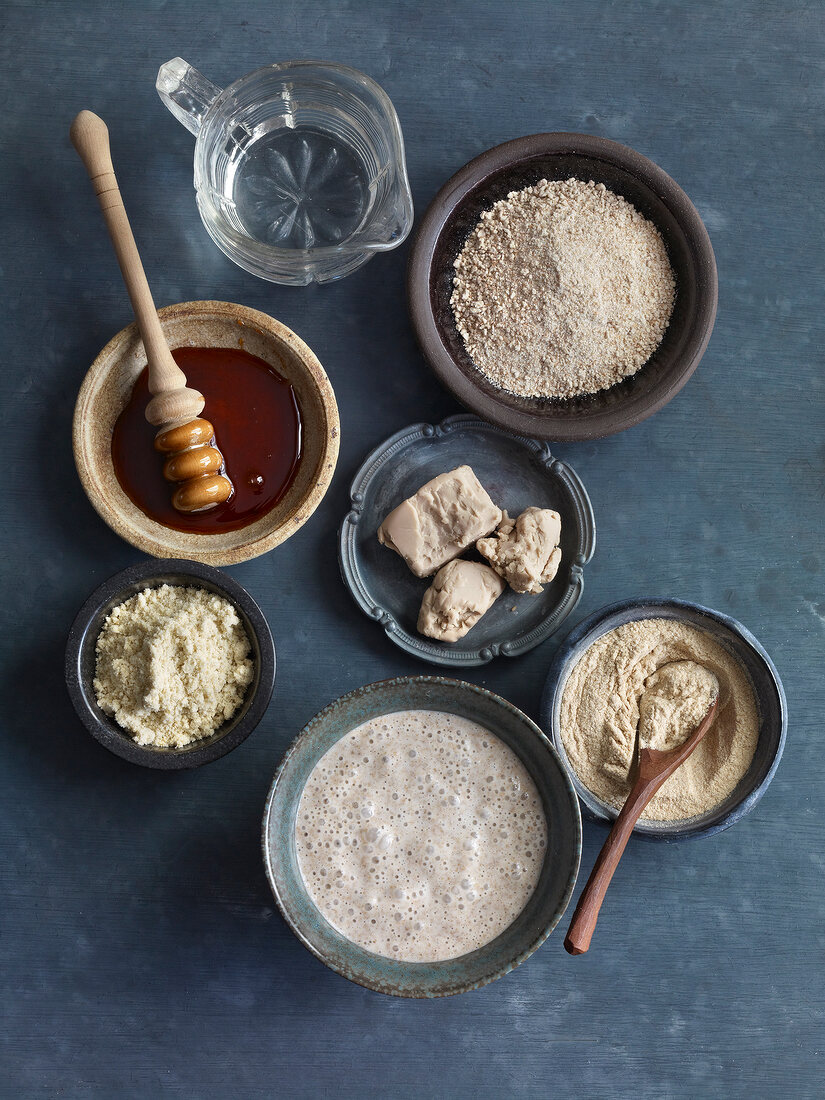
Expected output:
(517, 168)
(562, 289)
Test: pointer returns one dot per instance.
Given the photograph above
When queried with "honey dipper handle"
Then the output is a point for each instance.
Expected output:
(90, 138)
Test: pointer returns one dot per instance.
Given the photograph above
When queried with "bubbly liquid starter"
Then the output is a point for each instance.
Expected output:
(420, 836)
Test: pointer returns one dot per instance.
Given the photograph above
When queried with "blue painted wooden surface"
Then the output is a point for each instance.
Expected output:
(141, 955)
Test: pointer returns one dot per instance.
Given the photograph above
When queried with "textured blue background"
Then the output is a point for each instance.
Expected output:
(141, 952)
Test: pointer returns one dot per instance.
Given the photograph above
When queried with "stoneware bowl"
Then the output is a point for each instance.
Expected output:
(770, 698)
(514, 165)
(516, 472)
(106, 390)
(542, 912)
(80, 663)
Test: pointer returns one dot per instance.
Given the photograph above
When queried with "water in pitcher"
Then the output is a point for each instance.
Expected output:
(299, 167)
(300, 188)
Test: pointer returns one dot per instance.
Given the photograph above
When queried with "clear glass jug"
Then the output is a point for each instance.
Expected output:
(299, 167)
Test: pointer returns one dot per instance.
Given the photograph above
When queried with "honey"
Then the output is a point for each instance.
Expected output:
(257, 423)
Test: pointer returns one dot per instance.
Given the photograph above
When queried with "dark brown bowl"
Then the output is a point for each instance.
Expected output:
(454, 212)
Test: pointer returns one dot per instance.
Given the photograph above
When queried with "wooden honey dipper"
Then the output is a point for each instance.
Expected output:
(194, 460)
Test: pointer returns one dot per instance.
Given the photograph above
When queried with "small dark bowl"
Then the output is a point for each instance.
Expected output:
(770, 700)
(543, 910)
(80, 662)
(453, 214)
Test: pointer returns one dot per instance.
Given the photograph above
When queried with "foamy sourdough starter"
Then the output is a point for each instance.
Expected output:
(420, 836)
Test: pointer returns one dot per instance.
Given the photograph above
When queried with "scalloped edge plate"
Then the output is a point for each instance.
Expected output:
(379, 463)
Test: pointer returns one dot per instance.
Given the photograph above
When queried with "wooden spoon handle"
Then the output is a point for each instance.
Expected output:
(655, 766)
(583, 924)
(90, 138)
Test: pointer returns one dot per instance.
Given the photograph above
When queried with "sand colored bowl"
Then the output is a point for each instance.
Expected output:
(105, 392)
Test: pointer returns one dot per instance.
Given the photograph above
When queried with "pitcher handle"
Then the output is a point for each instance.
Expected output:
(186, 92)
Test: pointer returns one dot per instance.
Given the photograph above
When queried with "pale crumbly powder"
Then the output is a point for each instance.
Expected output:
(562, 289)
(173, 664)
(600, 715)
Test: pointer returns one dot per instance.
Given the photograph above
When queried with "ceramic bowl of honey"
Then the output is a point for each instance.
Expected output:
(275, 419)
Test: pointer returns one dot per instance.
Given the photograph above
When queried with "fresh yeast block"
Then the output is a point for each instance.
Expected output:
(461, 592)
(440, 521)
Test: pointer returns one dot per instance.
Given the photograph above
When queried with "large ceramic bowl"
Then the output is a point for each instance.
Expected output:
(453, 214)
(517, 473)
(543, 910)
(770, 699)
(106, 389)
(80, 663)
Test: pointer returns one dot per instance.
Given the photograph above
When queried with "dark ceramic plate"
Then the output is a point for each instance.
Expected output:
(770, 698)
(80, 662)
(516, 472)
(514, 165)
(542, 912)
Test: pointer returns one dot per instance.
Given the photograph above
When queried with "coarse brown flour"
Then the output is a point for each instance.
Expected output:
(562, 289)
(600, 716)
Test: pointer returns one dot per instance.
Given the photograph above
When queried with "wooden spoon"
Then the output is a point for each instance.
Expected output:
(174, 408)
(654, 767)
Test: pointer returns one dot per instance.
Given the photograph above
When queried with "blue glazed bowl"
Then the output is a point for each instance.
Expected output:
(770, 699)
(542, 912)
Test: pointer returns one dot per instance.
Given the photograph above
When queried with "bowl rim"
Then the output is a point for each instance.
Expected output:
(546, 425)
(446, 654)
(211, 554)
(461, 687)
(106, 731)
(572, 646)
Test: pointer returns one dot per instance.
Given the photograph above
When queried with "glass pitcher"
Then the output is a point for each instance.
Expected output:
(299, 167)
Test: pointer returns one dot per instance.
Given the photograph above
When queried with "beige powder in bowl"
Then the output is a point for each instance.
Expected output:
(173, 664)
(600, 716)
(562, 289)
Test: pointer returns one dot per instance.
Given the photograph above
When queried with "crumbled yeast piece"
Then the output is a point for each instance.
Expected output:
(461, 592)
(526, 552)
(440, 521)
